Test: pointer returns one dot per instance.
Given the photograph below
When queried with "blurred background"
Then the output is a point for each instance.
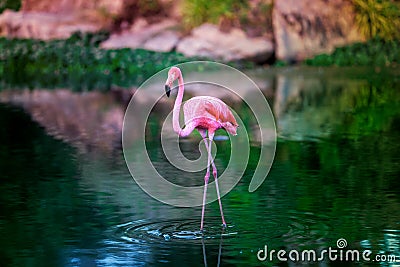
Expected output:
(329, 70)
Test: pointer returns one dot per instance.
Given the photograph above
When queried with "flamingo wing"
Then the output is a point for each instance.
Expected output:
(208, 108)
(220, 111)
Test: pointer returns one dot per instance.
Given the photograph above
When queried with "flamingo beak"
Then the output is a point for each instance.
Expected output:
(167, 90)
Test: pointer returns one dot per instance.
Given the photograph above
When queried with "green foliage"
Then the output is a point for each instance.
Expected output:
(9, 4)
(281, 63)
(199, 11)
(377, 52)
(88, 39)
(78, 62)
(253, 17)
(378, 18)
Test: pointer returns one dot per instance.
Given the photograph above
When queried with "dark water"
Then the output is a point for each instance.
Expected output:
(335, 175)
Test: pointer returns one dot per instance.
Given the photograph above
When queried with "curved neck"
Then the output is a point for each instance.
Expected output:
(177, 106)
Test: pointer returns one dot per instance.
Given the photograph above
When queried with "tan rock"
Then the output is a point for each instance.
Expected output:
(39, 25)
(309, 27)
(157, 36)
(113, 7)
(207, 40)
(164, 42)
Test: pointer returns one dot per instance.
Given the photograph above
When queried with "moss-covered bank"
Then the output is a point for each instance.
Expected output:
(375, 52)
(78, 63)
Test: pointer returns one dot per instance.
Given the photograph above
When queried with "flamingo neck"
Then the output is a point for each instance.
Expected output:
(177, 107)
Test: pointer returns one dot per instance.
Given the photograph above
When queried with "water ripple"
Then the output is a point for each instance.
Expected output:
(143, 231)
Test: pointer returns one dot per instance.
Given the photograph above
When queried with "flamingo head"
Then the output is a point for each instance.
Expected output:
(173, 74)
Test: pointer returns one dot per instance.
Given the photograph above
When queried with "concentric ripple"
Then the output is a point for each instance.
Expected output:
(171, 230)
(297, 228)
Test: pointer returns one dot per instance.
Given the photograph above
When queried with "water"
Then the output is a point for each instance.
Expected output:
(67, 198)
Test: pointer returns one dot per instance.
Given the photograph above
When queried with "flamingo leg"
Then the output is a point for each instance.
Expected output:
(215, 173)
(219, 196)
(206, 178)
(211, 137)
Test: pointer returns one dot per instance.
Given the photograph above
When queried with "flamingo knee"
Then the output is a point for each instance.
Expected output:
(215, 172)
(207, 177)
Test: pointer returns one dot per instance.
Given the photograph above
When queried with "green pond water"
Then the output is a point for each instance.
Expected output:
(335, 175)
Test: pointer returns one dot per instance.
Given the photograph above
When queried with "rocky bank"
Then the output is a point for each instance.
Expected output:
(300, 29)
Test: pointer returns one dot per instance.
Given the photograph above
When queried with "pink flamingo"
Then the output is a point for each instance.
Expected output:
(206, 114)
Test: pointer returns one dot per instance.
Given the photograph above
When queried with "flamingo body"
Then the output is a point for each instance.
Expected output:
(207, 112)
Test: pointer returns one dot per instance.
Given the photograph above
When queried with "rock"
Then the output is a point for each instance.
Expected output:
(112, 7)
(43, 26)
(48, 19)
(208, 41)
(303, 29)
(157, 36)
(163, 42)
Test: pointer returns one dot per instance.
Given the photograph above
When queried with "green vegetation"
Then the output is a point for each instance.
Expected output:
(376, 52)
(378, 18)
(255, 19)
(9, 4)
(78, 62)
(199, 11)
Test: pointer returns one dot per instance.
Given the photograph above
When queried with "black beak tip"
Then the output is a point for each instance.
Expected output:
(167, 90)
